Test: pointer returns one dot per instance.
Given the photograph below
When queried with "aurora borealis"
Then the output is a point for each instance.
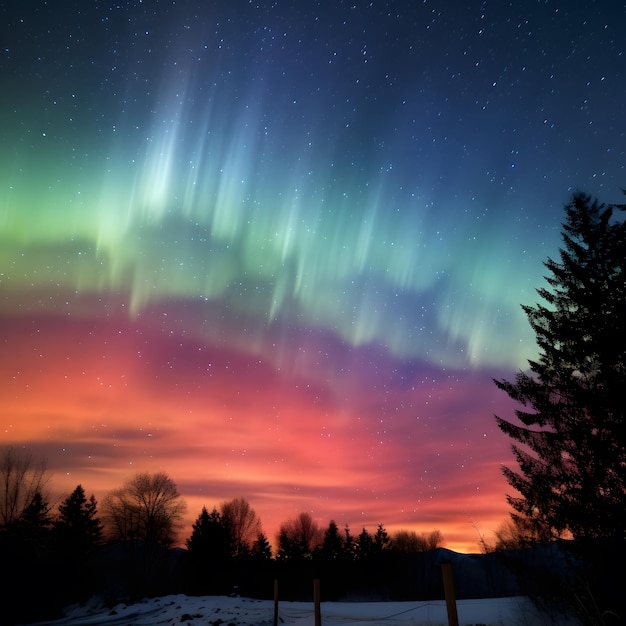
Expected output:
(278, 250)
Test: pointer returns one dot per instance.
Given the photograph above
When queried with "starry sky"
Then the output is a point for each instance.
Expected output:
(278, 249)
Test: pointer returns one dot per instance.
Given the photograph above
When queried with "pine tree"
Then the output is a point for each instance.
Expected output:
(78, 523)
(199, 531)
(381, 539)
(210, 554)
(210, 537)
(349, 544)
(570, 434)
(332, 548)
(261, 548)
(34, 526)
(37, 514)
(365, 544)
(288, 546)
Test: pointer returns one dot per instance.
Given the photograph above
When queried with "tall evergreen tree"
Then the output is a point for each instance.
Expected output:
(365, 544)
(349, 544)
(381, 539)
(77, 531)
(332, 547)
(210, 552)
(261, 549)
(570, 435)
(37, 513)
(210, 538)
(78, 522)
(34, 526)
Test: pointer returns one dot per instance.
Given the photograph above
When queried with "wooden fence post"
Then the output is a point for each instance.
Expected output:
(275, 601)
(316, 599)
(448, 588)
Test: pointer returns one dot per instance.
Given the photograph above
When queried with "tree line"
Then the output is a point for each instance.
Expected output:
(123, 546)
(149, 510)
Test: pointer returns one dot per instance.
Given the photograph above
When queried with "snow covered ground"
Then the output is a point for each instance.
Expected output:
(226, 611)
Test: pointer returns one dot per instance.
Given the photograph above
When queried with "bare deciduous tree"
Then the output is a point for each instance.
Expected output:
(243, 524)
(299, 537)
(21, 479)
(517, 533)
(147, 508)
(410, 541)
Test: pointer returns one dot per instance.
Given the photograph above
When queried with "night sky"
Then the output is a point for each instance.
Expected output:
(278, 249)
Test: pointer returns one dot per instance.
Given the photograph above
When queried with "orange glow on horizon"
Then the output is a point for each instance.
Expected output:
(226, 425)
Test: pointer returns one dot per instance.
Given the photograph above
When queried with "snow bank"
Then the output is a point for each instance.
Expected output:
(226, 611)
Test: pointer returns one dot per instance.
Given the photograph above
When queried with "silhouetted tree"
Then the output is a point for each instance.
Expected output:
(406, 541)
(78, 525)
(365, 544)
(570, 434)
(33, 529)
(261, 548)
(20, 480)
(572, 457)
(381, 539)
(332, 547)
(147, 509)
(144, 516)
(349, 544)
(243, 523)
(37, 513)
(210, 549)
(410, 541)
(298, 538)
(78, 533)
(29, 591)
(517, 533)
(211, 540)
